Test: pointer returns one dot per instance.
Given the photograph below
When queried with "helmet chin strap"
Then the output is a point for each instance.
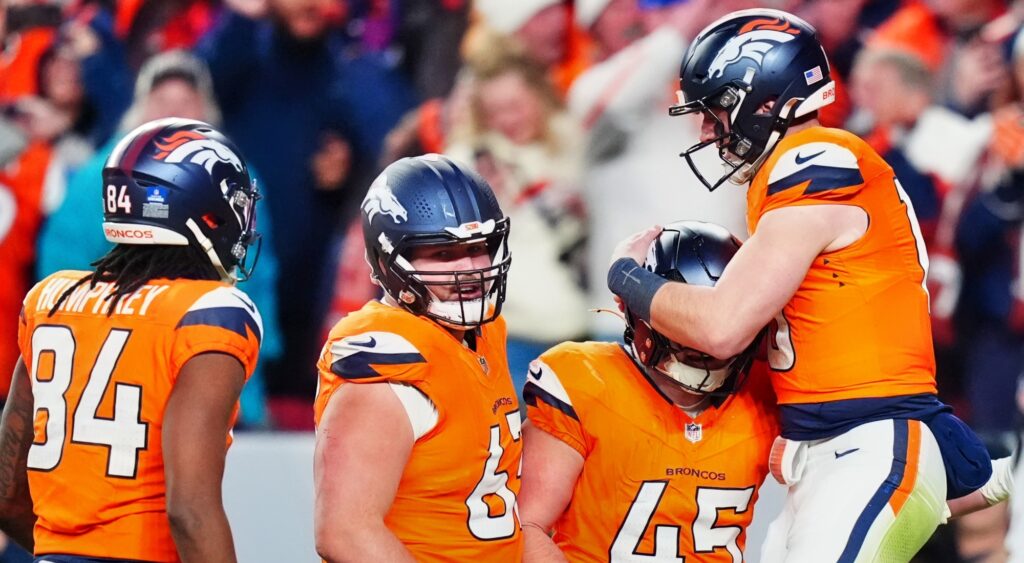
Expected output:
(207, 246)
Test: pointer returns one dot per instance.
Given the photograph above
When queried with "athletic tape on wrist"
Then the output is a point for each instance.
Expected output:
(635, 285)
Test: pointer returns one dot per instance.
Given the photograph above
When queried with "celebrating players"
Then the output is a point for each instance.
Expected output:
(652, 451)
(836, 262)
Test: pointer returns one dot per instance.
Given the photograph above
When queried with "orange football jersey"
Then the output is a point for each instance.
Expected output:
(655, 482)
(100, 385)
(456, 500)
(858, 325)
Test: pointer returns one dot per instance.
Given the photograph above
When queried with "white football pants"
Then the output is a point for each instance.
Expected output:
(874, 493)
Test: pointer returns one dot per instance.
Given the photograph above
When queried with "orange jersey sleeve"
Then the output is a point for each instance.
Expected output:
(858, 325)
(456, 497)
(654, 481)
(100, 383)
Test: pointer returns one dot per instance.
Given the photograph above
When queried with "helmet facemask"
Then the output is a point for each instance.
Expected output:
(233, 267)
(478, 293)
(741, 154)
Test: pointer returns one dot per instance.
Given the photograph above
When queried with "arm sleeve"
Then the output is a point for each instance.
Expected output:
(549, 407)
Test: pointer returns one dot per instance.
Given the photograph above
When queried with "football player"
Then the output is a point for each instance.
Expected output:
(418, 428)
(836, 263)
(129, 375)
(650, 451)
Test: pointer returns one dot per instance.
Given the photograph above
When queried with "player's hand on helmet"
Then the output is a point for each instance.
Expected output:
(332, 163)
(636, 245)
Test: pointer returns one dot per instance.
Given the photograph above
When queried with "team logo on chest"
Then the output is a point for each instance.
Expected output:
(694, 432)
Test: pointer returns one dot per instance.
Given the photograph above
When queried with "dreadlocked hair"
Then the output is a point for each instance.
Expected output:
(130, 266)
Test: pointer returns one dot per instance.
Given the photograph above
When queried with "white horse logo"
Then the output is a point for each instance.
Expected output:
(195, 148)
(379, 199)
(753, 45)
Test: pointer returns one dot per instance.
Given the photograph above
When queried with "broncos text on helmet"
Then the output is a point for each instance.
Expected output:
(690, 252)
(179, 182)
(738, 65)
(431, 200)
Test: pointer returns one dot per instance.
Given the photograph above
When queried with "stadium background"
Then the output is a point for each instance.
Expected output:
(561, 105)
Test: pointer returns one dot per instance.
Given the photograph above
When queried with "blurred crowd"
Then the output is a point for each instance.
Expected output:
(560, 104)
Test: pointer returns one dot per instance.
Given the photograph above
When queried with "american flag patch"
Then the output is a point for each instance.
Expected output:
(813, 75)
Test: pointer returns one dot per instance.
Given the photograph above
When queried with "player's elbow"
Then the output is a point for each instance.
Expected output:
(725, 342)
(185, 520)
(338, 543)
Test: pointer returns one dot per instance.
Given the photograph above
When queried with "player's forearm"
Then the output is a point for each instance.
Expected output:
(362, 542)
(539, 547)
(202, 536)
(700, 318)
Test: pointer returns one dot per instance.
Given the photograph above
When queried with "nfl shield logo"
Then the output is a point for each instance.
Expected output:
(483, 363)
(694, 432)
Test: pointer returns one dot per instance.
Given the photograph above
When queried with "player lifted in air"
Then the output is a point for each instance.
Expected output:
(129, 376)
(418, 444)
(836, 263)
(650, 452)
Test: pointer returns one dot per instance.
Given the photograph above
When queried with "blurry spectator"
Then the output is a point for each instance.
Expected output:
(312, 119)
(947, 35)
(148, 27)
(525, 144)
(89, 76)
(430, 33)
(988, 242)
(173, 84)
(632, 174)
(892, 91)
(23, 201)
(543, 28)
(28, 31)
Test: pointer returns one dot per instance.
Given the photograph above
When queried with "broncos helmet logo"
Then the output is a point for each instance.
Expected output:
(754, 41)
(193, 147)
(380, 200)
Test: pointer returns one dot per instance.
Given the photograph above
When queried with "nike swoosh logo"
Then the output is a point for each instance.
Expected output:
(535, 374)
(802, 159)
(250, 306)
(847, 452)
(364, 344)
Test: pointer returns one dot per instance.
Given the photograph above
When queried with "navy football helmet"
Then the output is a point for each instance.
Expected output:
(690, 252)
(431, 200)
(179, 182)
(737, 65)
